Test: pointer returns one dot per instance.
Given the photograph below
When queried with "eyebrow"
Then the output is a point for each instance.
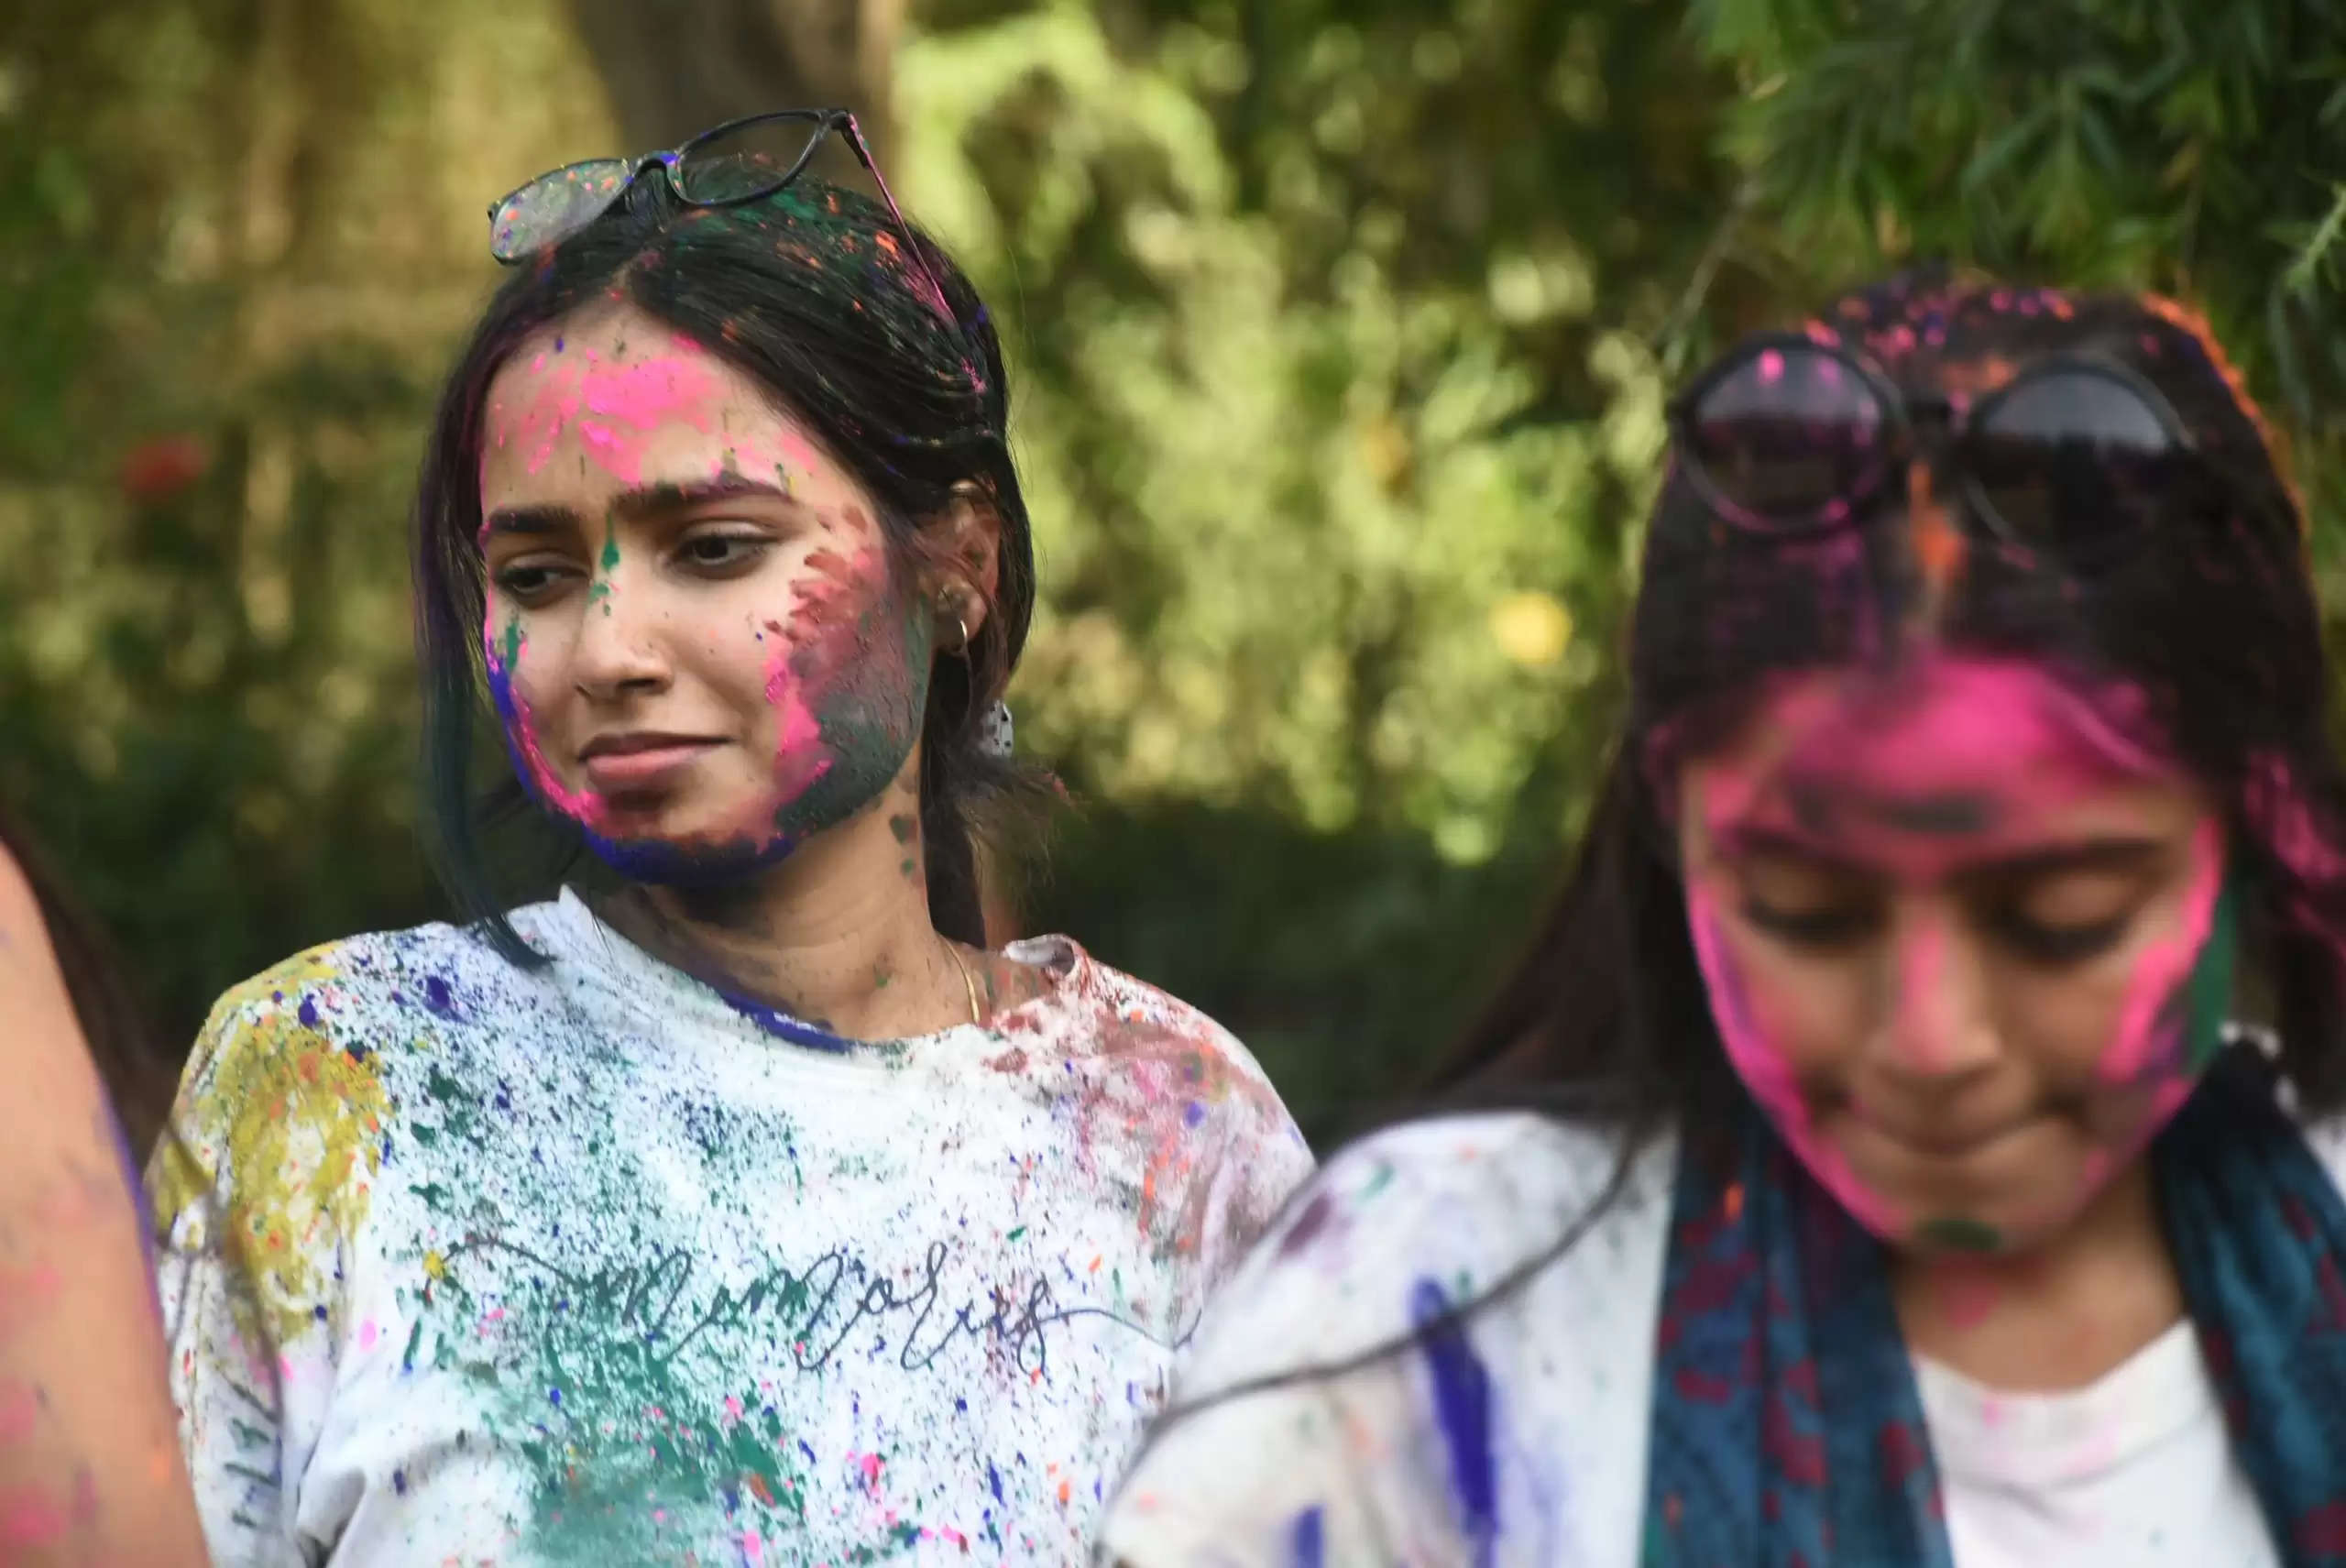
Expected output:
(632, 505)
(2109, 853)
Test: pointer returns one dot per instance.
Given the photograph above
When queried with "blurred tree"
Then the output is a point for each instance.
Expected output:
(1338, 409)
(676, 67)
(1340, 326)
(2192, 149)
(225, 305)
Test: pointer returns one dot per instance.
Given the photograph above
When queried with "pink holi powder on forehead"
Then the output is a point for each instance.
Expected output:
(611, 407)
(1956, 721)
(2006, 735)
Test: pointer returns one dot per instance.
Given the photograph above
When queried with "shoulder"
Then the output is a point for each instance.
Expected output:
(1423, 1215)
(309, 1049)
(1457, 1308)
(1092, 1012)
(1216, 1150)
(347, 990)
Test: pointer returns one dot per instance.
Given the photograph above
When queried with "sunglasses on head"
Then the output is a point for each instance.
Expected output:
(1787, 436)
(739, 161)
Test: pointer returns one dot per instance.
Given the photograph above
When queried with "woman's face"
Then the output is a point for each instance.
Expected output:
(1955, 931)
(694, 635)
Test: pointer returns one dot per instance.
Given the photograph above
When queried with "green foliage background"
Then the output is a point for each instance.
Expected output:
(1341, 332)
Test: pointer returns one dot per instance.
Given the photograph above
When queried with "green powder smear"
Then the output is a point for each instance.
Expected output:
(1954, 1235)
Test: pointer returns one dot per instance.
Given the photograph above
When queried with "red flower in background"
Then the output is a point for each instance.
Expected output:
(161, 470)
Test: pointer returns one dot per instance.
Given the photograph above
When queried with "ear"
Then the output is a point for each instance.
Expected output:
(965, 552)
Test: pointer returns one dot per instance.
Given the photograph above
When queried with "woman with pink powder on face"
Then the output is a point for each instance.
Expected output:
(1931, 1075)
(740, 1204)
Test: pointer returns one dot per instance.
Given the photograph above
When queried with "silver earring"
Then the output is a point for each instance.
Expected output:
(965, 635)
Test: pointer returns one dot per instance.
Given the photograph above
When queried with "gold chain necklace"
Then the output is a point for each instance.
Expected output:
(953, 951)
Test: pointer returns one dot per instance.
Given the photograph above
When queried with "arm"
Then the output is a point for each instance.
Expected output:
(90, 1469)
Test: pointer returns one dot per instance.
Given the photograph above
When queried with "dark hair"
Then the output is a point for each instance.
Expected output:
(812, 293)
(139, 1078)
(2210, 614)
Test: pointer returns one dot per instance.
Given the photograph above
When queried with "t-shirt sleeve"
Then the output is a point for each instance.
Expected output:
(261, 1178)
(1262, 1161)
(1320, 1413)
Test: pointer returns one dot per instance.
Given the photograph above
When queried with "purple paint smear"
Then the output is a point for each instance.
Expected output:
(1462, 1406)
(1307, 1539)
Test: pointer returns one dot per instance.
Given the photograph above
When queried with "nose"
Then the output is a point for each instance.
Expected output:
(1937, 1022)
(619, 652)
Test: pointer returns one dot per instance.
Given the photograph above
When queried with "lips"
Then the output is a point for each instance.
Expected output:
(1941, 1135)
(1935, 1139)
(626, 764)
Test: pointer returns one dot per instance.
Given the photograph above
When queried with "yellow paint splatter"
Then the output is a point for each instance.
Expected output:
(284, 1124)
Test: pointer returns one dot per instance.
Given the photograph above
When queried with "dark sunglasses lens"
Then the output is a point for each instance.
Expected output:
(748, 161)
(1788, 434)
(554, 206)
(2071, 458)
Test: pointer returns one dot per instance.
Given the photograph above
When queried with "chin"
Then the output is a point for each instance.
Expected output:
(642, 853)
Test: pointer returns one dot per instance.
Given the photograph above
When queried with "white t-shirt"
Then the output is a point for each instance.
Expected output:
(1356, 1467)
(472, 1264)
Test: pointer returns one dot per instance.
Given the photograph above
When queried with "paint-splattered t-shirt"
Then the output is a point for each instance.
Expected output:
(466, 1263)
(1521, 1442)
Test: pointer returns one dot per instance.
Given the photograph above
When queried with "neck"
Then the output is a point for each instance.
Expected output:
(2059, 1316)
(837, 934)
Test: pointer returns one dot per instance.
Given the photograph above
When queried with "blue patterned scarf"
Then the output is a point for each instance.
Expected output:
(1787, 1430)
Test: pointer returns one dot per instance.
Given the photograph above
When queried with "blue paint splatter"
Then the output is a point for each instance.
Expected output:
(1307, 1539)
(436, 997)
(1193, 1113)
(775, 1022)
(309, 1013)
(994, 1479)
(1462, 1406)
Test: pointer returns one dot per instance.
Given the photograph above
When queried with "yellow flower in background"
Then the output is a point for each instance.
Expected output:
(1532, 628)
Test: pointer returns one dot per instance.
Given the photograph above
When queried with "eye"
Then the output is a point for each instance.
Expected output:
(719, 554)
(531, 582)
(1806, 902)
(2066, 916)
(1822, 928)
(2059, 946)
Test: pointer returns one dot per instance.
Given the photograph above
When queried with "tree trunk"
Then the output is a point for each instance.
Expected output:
(676, 67)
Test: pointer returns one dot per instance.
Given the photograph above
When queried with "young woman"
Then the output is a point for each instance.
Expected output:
(747, 1209)
(1900, 1190)
(89, 1468)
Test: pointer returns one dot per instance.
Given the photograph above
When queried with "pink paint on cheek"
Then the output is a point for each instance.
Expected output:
(30, 1518)
(19, 1411)
(1767, 1073)
(578, 805)
(799, 755)
(2165, 964)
